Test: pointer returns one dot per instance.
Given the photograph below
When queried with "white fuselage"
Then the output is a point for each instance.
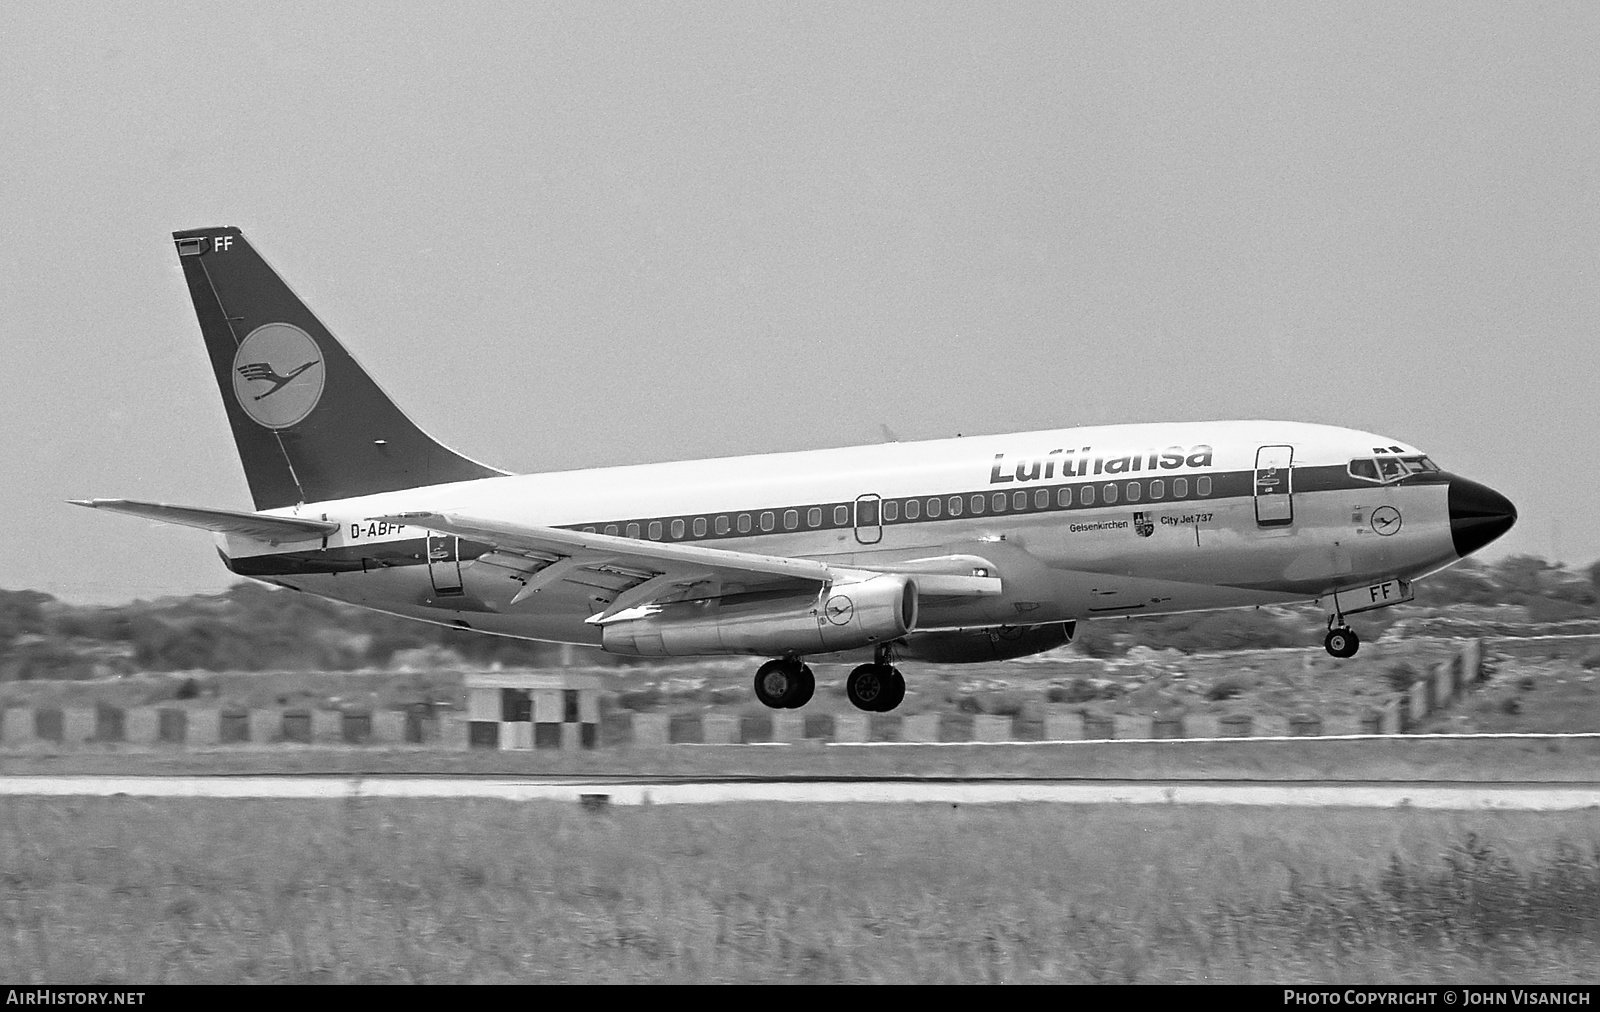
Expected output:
(1091, 522)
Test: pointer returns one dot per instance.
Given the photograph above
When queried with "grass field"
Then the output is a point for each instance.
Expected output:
(1390, 758)
(126, 890)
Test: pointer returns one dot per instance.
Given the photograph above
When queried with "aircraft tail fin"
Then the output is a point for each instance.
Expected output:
(309, 423)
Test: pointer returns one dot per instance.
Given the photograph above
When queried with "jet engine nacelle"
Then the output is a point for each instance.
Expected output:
(969, 646)
(843, 618)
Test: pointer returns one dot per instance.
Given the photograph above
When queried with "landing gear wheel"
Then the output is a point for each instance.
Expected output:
(1342, 642)
(895, 693)
(778, 682)
(803, 691)
(869, 685)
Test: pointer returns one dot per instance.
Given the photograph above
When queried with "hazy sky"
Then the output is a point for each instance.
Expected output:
(582, 234)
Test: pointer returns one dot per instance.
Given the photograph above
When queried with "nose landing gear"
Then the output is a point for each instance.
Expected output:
(1341, 640)
(785, 684)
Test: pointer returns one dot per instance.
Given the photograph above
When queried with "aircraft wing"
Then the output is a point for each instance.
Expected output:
(650, 572)
(271, 529)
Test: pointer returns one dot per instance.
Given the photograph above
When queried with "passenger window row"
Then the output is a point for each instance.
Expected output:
(839, 515)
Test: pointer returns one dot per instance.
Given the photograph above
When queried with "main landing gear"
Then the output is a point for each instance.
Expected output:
(785, 684)
(1341, 640)
(877, 687)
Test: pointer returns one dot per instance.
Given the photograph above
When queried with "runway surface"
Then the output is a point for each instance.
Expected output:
(643, 791)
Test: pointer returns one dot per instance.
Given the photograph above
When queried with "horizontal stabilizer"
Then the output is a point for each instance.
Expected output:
(275, 530)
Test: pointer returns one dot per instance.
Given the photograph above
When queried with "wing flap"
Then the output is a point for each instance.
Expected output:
(272, 529)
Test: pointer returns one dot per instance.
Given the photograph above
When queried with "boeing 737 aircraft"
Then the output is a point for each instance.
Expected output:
(949, 550)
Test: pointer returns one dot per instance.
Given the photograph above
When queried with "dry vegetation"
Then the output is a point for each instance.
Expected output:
(131, 890)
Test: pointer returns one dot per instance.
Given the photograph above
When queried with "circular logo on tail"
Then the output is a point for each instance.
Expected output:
(277, 375)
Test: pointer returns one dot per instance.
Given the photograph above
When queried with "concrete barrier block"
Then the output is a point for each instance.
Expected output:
(1389, 719)
(1343, 723)
(992, 727)
(48, 724)
(327, 727)
(615, 729)
(955, 727)
(788, 725)
(1270, 725)
(1443, 684)
(483, 703)
(819, 727)
(720, 729)
(77, 725)
(388, 727)
(1305, 725)
(756, 728)
(141, 725)
(266, 726)
(1168, 726)
(293, 726)
(483, 734)
(650, 728)
(851, 727)
(1130, 725)
(110, 723)
(1236, 725)
(1063, 727)
(885, 726)
(549, 706)
(455, 731)
(516, 736)
(1419, 700)
(16, 727)
(1099, 727)
(546, 734)
(686, 729)
(202, 727)
(1201, 725)
(920, 727)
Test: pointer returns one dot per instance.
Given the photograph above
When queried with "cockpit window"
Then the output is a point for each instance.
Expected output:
(1385, 470)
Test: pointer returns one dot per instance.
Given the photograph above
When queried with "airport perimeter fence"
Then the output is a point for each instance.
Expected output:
(538, 712)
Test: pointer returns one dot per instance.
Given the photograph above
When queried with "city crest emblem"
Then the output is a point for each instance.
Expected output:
(1143, 525)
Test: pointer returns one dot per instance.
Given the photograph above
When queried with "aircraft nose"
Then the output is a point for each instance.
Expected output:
(1478, 515)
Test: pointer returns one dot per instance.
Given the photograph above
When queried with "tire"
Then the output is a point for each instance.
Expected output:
(776, 683)
(866, 686)
(895, 693)
(804, 690)
(1342, 642)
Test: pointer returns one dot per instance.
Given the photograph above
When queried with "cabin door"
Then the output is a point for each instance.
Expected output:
(869, 519)
(1274, 492)
(444, 564)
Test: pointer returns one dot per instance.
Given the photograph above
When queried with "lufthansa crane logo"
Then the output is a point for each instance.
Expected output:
(840, 609)
(277, 375)
(1386, 520)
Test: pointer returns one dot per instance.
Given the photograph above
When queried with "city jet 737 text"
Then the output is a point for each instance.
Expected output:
(949, 550)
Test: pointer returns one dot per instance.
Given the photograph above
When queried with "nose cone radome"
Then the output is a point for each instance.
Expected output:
(1478, 515)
